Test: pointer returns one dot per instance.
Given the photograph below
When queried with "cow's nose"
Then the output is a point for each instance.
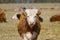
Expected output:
(31, 23)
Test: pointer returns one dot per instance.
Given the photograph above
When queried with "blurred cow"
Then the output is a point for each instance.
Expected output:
(33, 23)
(32, 18)
(55, 18)
(2, 16)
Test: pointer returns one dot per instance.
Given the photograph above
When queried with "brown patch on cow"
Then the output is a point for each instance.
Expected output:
(36, 28)
(23, 25)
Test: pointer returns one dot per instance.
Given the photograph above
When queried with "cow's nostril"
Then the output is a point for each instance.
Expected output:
(31, 24)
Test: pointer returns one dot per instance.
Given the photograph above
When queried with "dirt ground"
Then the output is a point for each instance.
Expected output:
(49, 30)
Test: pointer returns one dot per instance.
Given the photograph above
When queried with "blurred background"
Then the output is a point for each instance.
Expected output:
(48, 8)
(29, 1)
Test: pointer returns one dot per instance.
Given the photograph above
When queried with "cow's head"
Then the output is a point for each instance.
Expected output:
(32, 15)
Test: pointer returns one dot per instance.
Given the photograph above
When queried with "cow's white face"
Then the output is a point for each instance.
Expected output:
(31, 16)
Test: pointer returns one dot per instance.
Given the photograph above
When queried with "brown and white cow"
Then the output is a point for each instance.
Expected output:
(29, 24)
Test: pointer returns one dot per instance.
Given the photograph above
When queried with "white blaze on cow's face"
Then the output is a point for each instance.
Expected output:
(31, 16)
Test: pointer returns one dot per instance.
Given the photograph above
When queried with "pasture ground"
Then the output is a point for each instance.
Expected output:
(49, 31)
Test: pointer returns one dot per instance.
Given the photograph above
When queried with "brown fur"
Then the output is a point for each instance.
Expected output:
(2, 17)
(22, 26)
(39, 12)
(55, 18)
(36, 28)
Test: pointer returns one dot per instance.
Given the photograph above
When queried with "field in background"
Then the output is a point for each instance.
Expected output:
(49, 31)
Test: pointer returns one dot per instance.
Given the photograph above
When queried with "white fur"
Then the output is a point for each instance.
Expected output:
(24, 37)
(27, 36)
(34, 35)
(31, 13)
(15, 17)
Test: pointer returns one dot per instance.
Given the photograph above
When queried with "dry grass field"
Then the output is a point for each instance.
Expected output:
(49, 31)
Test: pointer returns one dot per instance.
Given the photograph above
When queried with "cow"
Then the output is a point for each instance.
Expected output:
(2, 16)
(29, 25)
(55, 18)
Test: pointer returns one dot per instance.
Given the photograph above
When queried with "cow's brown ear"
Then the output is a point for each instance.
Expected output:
(39, 12)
